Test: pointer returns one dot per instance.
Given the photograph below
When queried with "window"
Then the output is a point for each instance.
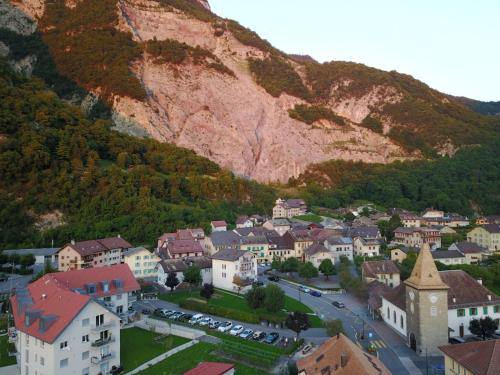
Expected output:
(118, 297)
(85, 322)
(85, 338)
(473, 311)
(86, 371)
(496, 309)
(119, 309)
(401, 321)
(42, 361)
(388, 313)
(85, 355)
(394, 316)
(27, 358)
(63, 345)
(485, 310)
(99, 320)
(223, 275)
(27, 340)
(460, 312)
(63, 363)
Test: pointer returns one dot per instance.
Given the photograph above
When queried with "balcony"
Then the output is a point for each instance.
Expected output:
(96, 360)
(103, 326)
(101, 342)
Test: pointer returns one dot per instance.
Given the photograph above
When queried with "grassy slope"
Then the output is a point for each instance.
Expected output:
(138, 346)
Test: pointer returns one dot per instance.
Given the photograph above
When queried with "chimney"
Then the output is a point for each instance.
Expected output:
(480, 281)
(72, 242)
(343, 360)
(44, 296)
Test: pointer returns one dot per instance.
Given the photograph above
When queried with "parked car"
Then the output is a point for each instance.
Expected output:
(205, 321)
(146, 311)
(225, 326)
(246, 334)
(186, 317)
(456, 340)
(196, 318)
(3, 277)
(165, 312)
(307, 349)
(304, 289)
(283, 341)
(315, 293)
(274, 278)
(338, 304)
(257, 336)
(236, 330)
(214, 325)
(157, 311)
(176, 315)
(271, 338)
(257, 283)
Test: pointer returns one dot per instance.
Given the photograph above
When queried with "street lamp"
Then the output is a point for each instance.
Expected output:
(426, 361)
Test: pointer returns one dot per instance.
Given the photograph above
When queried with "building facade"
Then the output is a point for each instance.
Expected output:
(141, 262)
(487, 236)
(289, 208)
(234, 270)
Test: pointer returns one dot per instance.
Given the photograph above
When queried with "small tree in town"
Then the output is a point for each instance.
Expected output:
(192, 276)
(483, 327)
(327, 268)
(27, 260)
(308, 271)
(333, 327)
(276, 264)
(290, 265)
(275, 298)
(255, 297)
(298, 322)
(207, 291)
(172, 281)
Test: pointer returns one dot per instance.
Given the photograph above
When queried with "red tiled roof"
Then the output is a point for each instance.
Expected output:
(50, 299)
(210, 368)
(219, 223)
(480, 358)
(184, 246)
(80, 278)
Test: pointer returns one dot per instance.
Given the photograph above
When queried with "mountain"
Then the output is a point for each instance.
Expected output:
(486, 108)
(174, 71)
(65, 176)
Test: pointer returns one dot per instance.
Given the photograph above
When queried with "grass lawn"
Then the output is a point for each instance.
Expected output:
(187, 359)
(5, 360)
(237, 302)
(310, 217)
(138, 346)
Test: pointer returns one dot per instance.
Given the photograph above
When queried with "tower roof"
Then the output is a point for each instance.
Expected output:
(425, 274)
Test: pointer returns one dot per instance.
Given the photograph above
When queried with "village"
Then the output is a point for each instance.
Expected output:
(358, 289)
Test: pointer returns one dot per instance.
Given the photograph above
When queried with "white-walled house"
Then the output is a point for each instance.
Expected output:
(340, 246)
(178, 266)
(244, 222)
(42, 255)
(366, 247)
(229, 264)
(61, 331)
(384, 271)
(393, 310)
(218, 226)
(141, 262)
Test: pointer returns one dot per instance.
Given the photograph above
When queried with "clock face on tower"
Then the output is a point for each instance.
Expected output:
(433, 298)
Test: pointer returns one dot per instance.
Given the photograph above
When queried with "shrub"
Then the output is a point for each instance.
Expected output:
(372, 123)
(313, 113)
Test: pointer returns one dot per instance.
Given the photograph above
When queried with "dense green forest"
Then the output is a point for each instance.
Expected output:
(53, 158)
(465, 183)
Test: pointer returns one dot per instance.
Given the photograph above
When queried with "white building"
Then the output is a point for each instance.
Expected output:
(178, 266)
(244, 222)
(366, 247)
(141, 262)
(218, 226)
(289, 208)
(281, 226)
(384, 271)
(340, 246)
(316, 253)
(234, 270)
(63, 331)
(449, 257)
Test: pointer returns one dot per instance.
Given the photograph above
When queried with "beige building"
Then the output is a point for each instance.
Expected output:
(366, 247)
(258, 246)
(473, 252)
(416, 237)
(92, 253)
(472, 358)
(487, 236)
(234, 270)
(316, 253)
(141, 262)
(289, 208)
(298, 240)
(410, 220)
(384, 271)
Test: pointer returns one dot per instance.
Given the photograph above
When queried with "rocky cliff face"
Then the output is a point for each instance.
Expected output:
(230, 118)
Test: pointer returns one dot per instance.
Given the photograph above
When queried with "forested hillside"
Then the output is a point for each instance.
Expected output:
(53, 159)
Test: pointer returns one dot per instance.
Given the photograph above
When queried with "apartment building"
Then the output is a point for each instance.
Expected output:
(93, 253)
(141, 262)
(289, 208)
(234, 270)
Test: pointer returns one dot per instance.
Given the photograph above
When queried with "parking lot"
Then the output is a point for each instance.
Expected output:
(282, 336)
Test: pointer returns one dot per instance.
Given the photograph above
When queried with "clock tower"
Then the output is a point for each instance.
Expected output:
(426, 306)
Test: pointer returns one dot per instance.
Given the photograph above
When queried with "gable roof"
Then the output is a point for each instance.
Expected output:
(447, 254)
(218, 223)
(242, 219)
(315, 248)
(180, 265)
(46, 251)
(491, 228)
(363, 231)
(341, 356)
(425, 274)
(480, 358)
(85, 248)
(226, 238)
(396, 296)
(375, 267)
(465, 291)
(229, 254)
(183, 247)
(210, 368)
(468, 247)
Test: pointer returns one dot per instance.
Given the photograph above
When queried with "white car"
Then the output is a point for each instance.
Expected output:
(196, 318)
(236, 330)
(205, 321)
(225, 326)
(304, 289)
(246, 334)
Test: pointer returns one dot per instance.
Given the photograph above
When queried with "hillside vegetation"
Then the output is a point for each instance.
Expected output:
(104, 182)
